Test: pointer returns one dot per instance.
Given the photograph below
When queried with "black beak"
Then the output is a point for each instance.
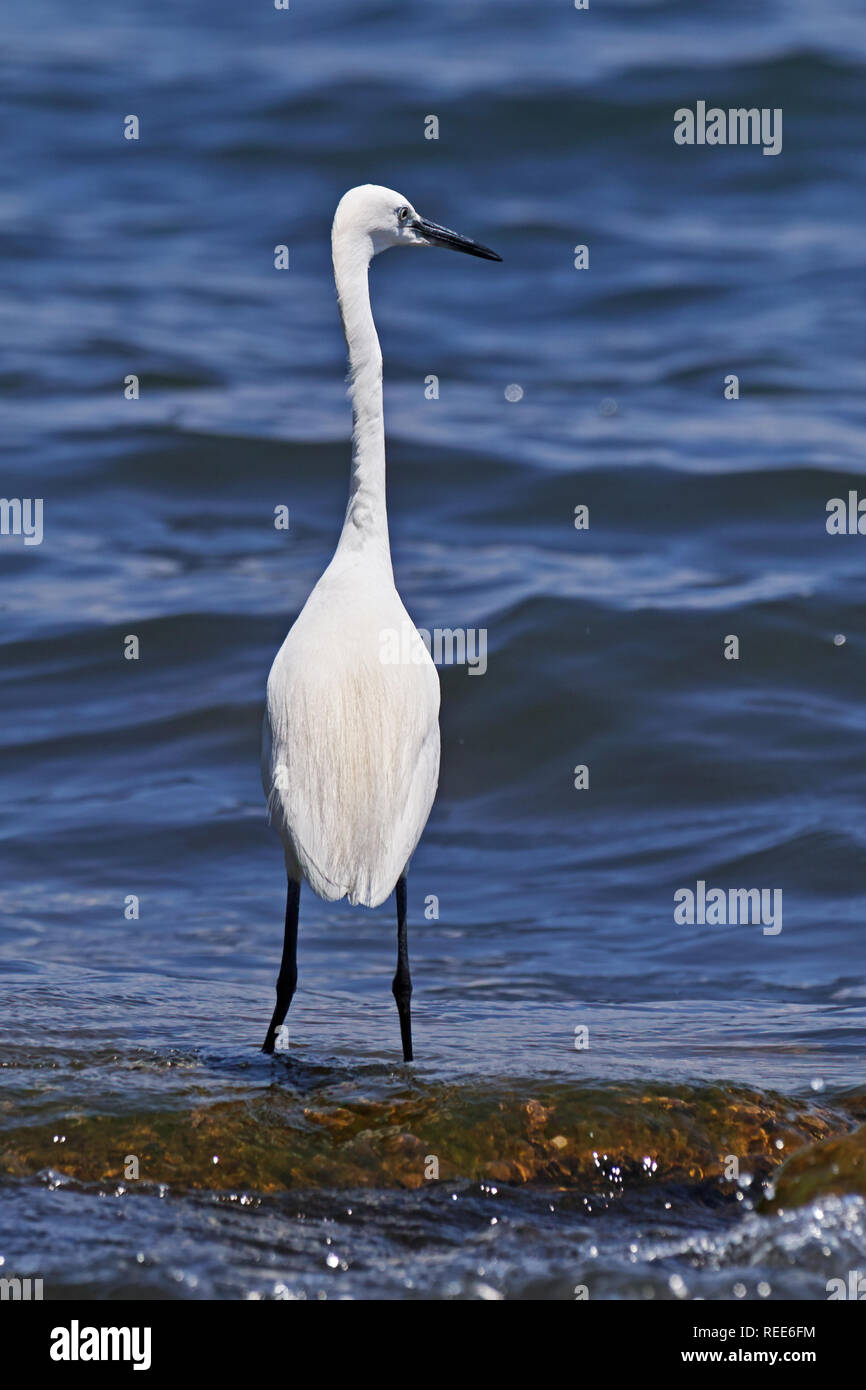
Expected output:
(441, 236)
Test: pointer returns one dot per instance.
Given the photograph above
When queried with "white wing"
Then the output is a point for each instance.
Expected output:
(351, 746)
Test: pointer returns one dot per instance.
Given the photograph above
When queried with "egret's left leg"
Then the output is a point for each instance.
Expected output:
(402, 986)
(288, 976)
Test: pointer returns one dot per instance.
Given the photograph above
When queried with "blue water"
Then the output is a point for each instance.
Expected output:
(605, 646)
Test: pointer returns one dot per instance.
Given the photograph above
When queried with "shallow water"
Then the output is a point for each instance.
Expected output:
(555, 907)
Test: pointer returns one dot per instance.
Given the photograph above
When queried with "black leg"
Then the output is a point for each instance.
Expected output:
(288, 976)
(402, 985)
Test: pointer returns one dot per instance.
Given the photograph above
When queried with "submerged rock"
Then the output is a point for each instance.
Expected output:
(832, 1168)
(595, 1138)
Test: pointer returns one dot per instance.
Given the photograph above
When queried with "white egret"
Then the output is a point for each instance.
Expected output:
(350, 755)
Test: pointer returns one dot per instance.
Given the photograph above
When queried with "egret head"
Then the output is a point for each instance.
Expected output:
(378, 218)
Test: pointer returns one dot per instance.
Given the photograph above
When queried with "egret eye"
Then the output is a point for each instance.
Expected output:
(403, 214)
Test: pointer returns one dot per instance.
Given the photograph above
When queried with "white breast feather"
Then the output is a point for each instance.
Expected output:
(351, 747)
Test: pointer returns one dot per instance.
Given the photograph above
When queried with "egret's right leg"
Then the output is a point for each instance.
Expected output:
(402, 986)
(288, 976)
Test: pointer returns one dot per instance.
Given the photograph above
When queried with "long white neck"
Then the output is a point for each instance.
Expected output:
(366, 515)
